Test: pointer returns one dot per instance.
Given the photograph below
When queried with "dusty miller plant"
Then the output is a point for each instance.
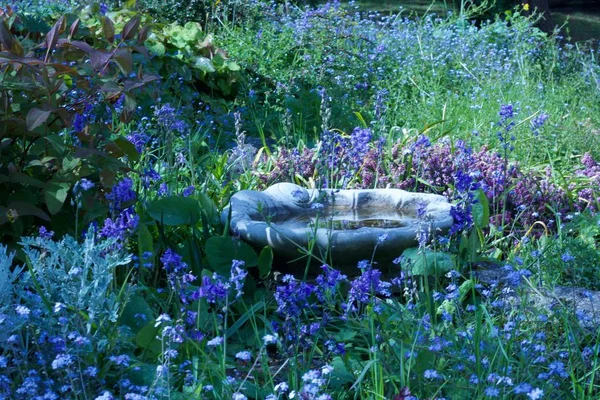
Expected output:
(77, 275)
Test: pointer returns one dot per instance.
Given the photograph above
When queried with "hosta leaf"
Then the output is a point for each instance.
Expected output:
(175, 210)
(221, 251)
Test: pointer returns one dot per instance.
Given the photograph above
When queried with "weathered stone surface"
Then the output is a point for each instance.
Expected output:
(347, 222)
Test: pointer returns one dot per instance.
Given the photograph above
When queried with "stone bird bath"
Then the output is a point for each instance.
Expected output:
(346, 224)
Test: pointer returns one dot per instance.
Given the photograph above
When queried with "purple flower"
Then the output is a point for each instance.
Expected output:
(79, 122)
(188, 191)
(173, 262)
(139, 140)
(45, 233)
(567, 257)
(84, 184)
(122, 193)
(124, 224)
(238, 275)
(538, 122)
(103, 8)
(122, 360)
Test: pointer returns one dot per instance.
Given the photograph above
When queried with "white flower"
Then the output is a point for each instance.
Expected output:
(238, 396)
(269, 339)
(244, 355)
(22, 311)
(536, 394)
(161, 318)
(215, 342)
(282, 387)
(326, 369)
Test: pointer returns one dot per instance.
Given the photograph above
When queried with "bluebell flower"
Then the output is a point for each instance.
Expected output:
(188, 191)
(122, 194)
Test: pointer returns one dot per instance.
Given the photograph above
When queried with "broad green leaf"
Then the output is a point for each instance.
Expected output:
(36, 117)
(128, 148)
(203, 64)
(340, 375)
(221, 251)
(155, 47)
(19, 177)
(145, 242)
(142, 375)
(427, 262)
(481, 210)
(55, 194)
(175, 210)
(136, 314)
(22, 209)
(265, 261)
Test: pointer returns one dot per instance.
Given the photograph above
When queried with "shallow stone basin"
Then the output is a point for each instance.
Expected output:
(345, 225)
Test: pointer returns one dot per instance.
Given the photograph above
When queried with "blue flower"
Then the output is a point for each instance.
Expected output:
(122, 193)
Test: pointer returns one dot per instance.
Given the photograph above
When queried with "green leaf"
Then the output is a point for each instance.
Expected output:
(340, 375)
(242, 319)
(136, 313)
(55, 194)
(265, 261)
(221, 251)
(481, 210)
(427, 262)
(155, 47)
(24, 209)
(36, 117)
(203, 64)
(128, 148)
(175, 210)
(142, 375)
(145, 242)
(70, 163)
(208, 208)
(23, 179)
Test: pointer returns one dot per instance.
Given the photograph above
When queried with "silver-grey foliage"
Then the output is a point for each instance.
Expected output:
(75, 274)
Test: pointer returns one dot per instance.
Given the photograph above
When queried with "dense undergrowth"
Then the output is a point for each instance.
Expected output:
(127, 127)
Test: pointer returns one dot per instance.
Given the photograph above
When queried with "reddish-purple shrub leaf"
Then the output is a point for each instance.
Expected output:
(36, 117)
(131, 28)
(124, 60)
(52, 36)
(108, 27)
(100, 58)
(6, 38)
(143, 35)
(74, 28)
